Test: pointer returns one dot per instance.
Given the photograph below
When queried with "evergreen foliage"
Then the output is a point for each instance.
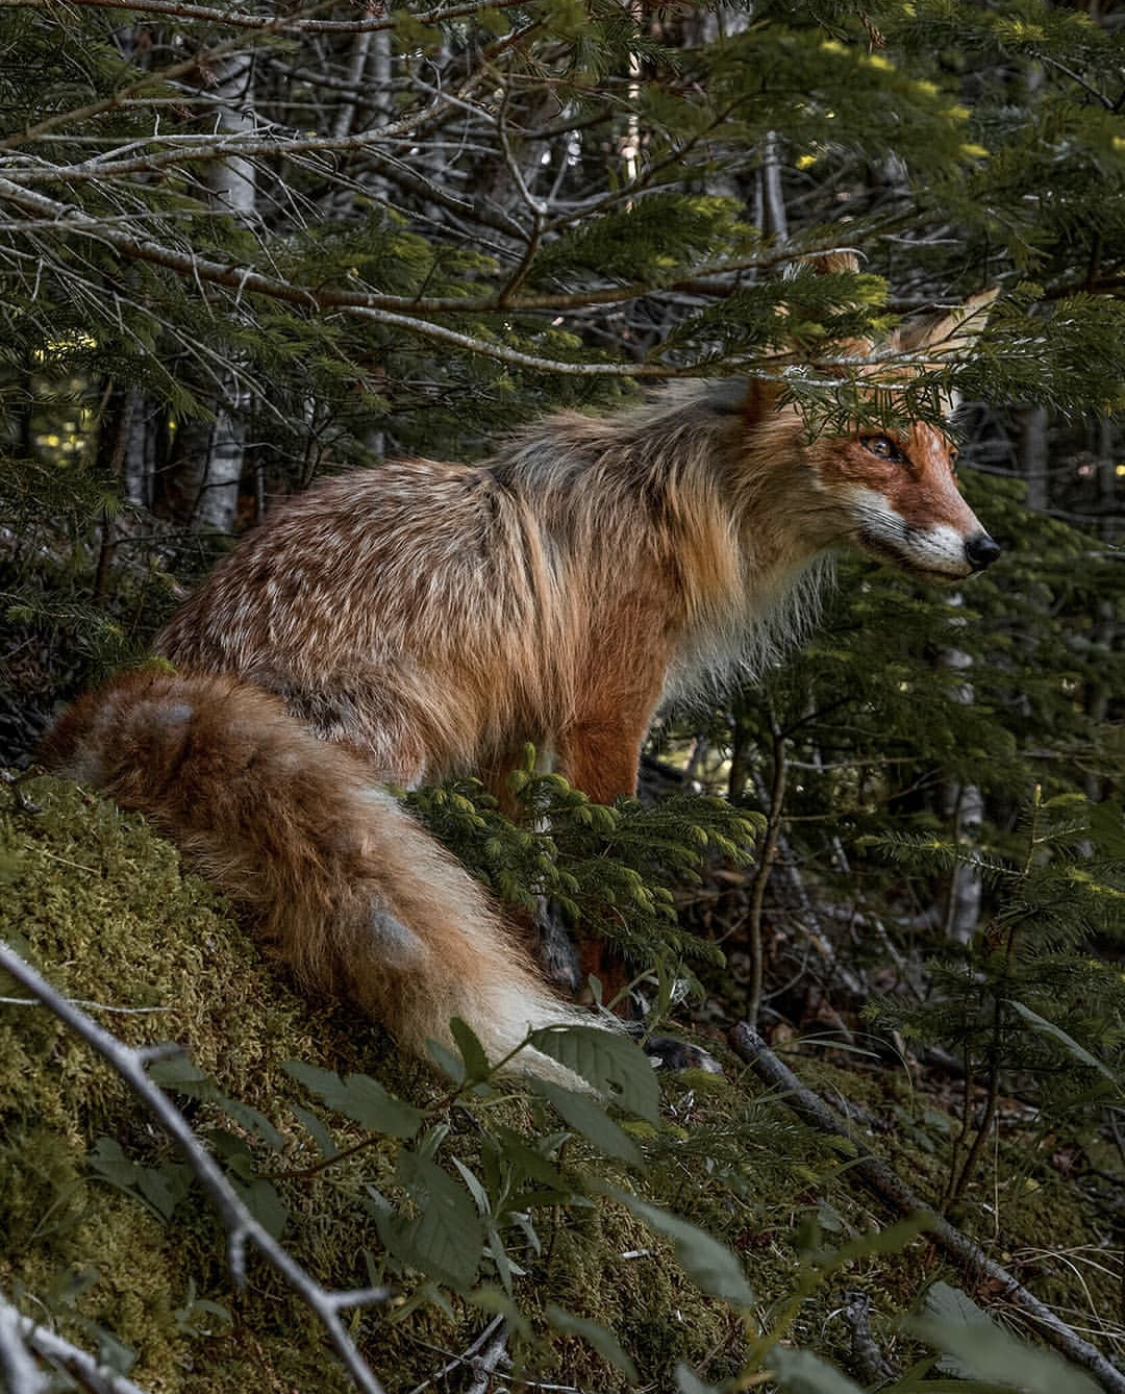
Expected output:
(286, 242)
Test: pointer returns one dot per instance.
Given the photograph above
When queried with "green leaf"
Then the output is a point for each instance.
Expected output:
(612, 1063)
(1048, 1028)
(446, 1239)
(182, 1074)
(360, 1098)
(446, 1061)
(263, 1202)
(957, 1327)
(472, 1052)
(802, 1372)
(595, 1125)
(529, 1163)
(714, 1267)
(316, 1130)
(493, 1299)
(688, 1382)
(603, 1341)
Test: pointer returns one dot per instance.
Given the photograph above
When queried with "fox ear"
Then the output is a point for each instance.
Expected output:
(948, 331)
(828, 263)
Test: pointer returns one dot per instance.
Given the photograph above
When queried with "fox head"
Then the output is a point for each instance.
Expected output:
(894, 493)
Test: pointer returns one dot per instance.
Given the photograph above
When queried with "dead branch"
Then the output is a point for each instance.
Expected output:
(61, 1355)
(241, 1226)
(18, 1371)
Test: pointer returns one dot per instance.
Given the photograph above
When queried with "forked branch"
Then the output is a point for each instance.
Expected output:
(241, 1226)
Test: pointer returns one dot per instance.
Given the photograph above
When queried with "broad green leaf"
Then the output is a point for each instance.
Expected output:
(472, 1052)
(688, 1382)
(446, 1239)
(603, 1341)
(493, 1299)
(316, 1130)
(109, 1160)
(595, 1125)
(1048, 1028)
(714, 1267)
(981, 1350)
(183, 1075)
(612, 1063)
(531, 1163)
(266, 1206)
(802, 1372)
(360, 1098)
(447, 1061)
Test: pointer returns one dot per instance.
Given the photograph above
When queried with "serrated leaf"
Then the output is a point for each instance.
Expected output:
(183, 1075)
(156, 1190)
(1048, 1028)
(714, 1267)
(492, 1299)
(263, 1202)
(534, 1166)
(472, 1052)
(981, 1350)
(595, 1125)
(446, 1240)
(603, 1341)
(178, 1072)
(446, 1061)
(688, 1382)
(948, 1303)
(109, 1160)
(802, 1372)
(612, 1063)
(360, 1098)
(316, 1130)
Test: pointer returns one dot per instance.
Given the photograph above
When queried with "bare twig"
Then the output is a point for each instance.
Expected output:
(20, 1373)
(289, 24)
(495, 1330)
(241, 1226)
(60, 1354)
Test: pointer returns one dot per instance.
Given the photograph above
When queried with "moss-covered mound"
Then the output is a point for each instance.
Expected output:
(104, 1233)
(101, 1225)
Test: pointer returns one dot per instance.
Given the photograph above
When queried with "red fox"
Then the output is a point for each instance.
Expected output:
(421, 619)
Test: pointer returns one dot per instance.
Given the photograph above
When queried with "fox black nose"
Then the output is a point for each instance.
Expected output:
(981, 551)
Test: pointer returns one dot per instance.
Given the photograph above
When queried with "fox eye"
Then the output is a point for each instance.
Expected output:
(882, 446)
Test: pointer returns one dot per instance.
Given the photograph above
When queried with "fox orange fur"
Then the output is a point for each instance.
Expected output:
(420, 619)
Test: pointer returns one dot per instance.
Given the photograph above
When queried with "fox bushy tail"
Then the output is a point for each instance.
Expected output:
(357, 898)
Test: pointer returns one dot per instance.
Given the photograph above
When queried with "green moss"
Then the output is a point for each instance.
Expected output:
(104, 909)
(102, 906)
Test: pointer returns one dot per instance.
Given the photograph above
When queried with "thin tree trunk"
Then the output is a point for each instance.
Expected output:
(1033, 456)
(965, 805)
(214, 455)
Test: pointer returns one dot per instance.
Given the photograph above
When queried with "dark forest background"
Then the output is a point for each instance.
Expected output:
(245, 247)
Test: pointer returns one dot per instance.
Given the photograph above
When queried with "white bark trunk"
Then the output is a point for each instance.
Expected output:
(233, 186)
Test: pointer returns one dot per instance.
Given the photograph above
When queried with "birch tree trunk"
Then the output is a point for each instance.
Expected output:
(213, 452)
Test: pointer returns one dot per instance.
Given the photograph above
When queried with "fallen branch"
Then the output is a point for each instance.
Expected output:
(241, 1226)
(883, 1182)
(19, 1374)
(61, 1355)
